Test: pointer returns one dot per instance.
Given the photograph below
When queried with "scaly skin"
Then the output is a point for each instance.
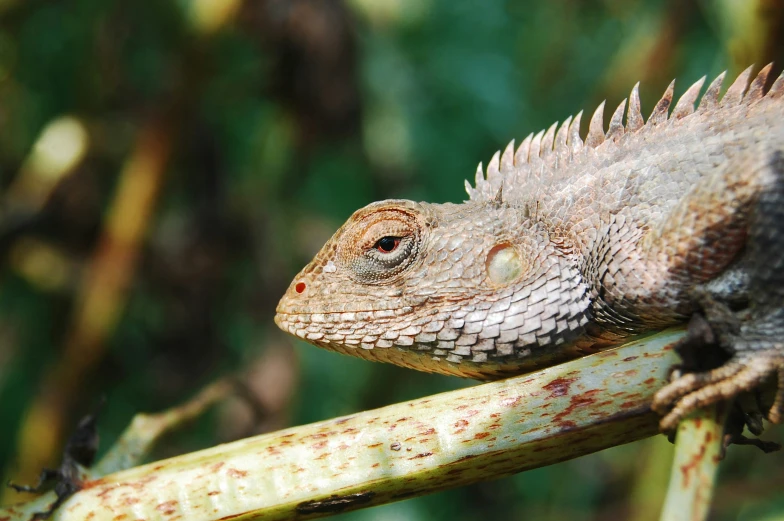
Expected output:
(567, 247)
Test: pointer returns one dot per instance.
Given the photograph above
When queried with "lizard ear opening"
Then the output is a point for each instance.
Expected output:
(504, 264)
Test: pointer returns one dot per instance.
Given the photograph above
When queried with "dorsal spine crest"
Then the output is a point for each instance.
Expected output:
(559, 144)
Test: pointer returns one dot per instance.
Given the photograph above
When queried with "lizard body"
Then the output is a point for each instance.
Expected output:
(568, 246)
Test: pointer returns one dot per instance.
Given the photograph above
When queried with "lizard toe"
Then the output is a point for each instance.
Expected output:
(698, 390)
(676, 392)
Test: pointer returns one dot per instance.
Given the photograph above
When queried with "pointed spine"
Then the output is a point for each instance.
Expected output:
(472, 194)
(711, 97)
(521, 156)
(574, 142)
(536, 144)
(479, 179)
(561, 150)
(734, 94)
(548, 140)
(777, 89)
(616, 123)
(507, 158)
(757, 87)
(660, 111)
(493, 173)
(595, 135)
(685, 105)
(634, 119)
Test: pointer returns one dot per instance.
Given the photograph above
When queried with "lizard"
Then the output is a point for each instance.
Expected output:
(568, 246)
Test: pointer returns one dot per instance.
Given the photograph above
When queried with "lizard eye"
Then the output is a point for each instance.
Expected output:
(387, 244)
(380, 246)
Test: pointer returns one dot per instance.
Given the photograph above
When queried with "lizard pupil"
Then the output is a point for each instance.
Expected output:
(387, 244)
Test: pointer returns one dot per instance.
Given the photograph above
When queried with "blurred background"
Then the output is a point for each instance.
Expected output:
(167, 166)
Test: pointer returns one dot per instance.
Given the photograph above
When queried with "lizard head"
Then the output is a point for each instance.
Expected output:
(436, 287)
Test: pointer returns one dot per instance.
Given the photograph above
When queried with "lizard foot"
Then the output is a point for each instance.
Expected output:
(697, 390)
(756, 356)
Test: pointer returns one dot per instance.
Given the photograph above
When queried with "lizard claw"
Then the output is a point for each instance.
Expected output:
(697, 390)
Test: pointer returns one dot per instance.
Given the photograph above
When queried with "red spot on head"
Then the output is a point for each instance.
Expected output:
(300, 287)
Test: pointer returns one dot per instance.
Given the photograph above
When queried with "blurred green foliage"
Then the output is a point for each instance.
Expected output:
(285, 119)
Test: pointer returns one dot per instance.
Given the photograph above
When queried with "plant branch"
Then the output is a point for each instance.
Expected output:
(400, 451)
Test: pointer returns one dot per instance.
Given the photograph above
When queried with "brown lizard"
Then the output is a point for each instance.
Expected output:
(568, 246)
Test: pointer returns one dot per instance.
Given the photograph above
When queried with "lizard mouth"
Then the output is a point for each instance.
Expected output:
(332, 327)
(302, 326)
(295, 325)
(346, 331)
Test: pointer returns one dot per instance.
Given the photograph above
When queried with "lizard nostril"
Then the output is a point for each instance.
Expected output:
(300, 287)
